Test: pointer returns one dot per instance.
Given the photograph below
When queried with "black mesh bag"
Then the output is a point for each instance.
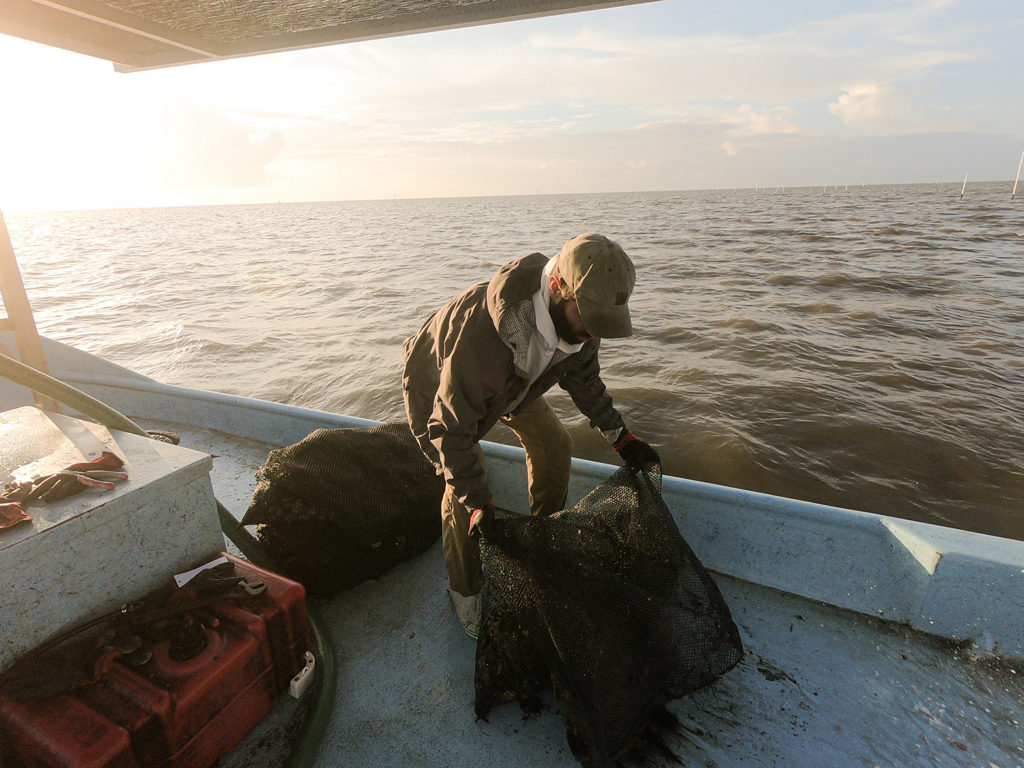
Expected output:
(607, 603)
(344, 505)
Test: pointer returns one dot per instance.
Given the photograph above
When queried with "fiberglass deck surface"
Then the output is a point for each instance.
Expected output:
(817, 686)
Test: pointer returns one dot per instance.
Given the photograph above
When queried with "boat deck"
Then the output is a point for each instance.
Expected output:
(817, 686)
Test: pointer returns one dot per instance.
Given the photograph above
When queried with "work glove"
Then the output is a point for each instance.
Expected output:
(12, 513)
(98, 473)
(634, 451)
(481, 521)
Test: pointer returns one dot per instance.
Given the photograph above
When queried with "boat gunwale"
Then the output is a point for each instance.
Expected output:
(942, 581)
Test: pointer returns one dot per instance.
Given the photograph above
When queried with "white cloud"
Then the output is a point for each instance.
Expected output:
(751, 121)
(469, 84)
(874, 108)
(194, 146)
(858, 104)
(512, 108)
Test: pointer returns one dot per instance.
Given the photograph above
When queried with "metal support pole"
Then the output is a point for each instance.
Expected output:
(19, 318)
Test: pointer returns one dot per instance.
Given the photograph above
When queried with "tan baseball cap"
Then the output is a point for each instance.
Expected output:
(601, 275)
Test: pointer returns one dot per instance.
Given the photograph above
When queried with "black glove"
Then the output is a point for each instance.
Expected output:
(481, 521)
(634, 451)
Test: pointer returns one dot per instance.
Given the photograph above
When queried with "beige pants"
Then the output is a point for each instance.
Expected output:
(548, 449)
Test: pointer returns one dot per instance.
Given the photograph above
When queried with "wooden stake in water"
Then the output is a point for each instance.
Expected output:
(964, 187)
(1021, 163)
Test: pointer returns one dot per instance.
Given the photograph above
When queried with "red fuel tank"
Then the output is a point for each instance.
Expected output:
(179, 710)
(282, 608)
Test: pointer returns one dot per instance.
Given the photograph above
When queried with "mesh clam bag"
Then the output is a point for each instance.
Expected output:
(607, 603)
(344, 505)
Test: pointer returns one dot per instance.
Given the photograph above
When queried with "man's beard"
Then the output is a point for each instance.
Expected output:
(561, 321)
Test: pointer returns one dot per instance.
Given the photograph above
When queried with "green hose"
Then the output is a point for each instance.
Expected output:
(18, 372)
(308, 744)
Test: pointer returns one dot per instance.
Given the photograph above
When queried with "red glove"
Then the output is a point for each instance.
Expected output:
(12, 513)
(98, 473)
(634, 451)
(481, 521)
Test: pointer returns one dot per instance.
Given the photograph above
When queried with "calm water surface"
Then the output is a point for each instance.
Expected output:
(856, 347)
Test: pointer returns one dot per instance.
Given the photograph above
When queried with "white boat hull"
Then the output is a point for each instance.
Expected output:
(869, 640)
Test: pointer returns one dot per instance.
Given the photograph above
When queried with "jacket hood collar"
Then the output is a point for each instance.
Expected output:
(514, 282)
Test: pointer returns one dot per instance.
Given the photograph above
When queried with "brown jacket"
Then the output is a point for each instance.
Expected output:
(460, 377)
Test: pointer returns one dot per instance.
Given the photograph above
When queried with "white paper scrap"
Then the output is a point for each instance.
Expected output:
(181, 579)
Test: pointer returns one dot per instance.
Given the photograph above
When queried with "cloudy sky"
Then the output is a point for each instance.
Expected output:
(675, 94)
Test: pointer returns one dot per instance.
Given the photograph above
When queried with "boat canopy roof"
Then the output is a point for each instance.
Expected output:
(146, 34)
